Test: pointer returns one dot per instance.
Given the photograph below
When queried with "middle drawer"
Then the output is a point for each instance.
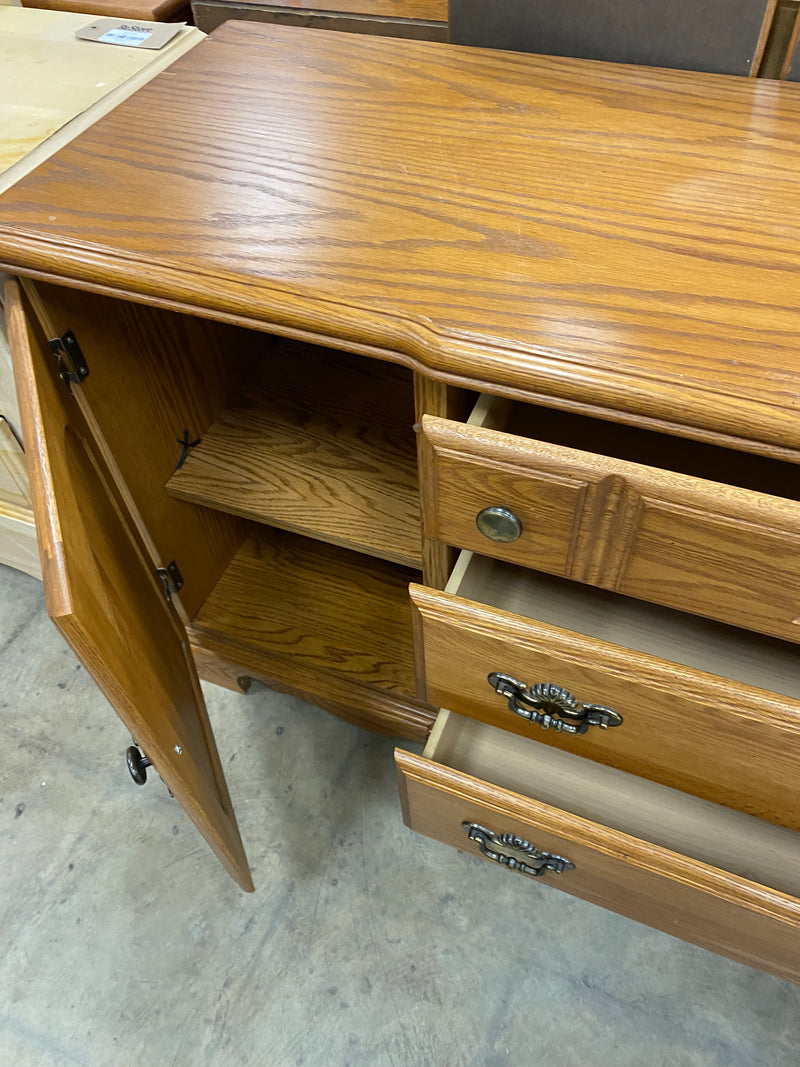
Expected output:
(705, 708)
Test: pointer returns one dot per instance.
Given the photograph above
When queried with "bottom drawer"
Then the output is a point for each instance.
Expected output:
(694, 869)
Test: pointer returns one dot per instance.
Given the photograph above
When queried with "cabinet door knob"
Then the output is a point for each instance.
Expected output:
(528, 859)
(499, 524)
(137, 764)
(551, 706)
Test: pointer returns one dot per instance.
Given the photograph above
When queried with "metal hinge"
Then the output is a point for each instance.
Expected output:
(171, 579)
(72, 367)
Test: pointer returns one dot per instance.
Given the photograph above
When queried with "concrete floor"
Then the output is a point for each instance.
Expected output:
(123, 942)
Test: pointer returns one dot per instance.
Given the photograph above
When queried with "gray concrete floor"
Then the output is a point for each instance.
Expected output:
(123, 942)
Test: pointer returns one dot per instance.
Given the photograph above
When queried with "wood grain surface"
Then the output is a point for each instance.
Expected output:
(14, 487)
(431, 10)
(696, 731)
(149, 10)
(320, 443)
(683, 896)
(318, 605)
(225, 661)
(705, 547)
(620, 237)
(152, 376)
(106, 601)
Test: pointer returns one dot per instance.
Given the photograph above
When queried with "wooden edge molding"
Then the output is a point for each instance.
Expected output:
(451, 356)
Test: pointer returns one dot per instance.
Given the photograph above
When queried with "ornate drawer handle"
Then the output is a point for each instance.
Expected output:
(552, 707)
(530, 860)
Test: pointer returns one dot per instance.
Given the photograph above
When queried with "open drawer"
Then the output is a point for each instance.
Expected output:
(705, 708)
(725, 550)
(704, 873)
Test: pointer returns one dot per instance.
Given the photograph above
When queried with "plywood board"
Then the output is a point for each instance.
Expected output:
(18, 547)
(84, 80)
(13, 475)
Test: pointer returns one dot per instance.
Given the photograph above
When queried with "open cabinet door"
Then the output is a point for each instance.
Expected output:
(107, 601)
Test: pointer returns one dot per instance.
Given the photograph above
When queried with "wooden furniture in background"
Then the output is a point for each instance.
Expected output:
(139, 10)
(719, 36)
(388, 226)
(790, 68)
(38, 116)
(422, 20)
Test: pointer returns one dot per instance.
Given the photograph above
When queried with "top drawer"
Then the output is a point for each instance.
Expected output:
(677, 539)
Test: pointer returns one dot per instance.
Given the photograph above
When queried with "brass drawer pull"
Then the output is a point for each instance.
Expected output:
(552, 707)
(529, 860)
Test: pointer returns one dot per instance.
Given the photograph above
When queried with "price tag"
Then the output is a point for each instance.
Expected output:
(131, 37)
(130, 34)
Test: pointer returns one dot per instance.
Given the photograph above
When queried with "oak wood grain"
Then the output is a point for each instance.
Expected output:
(107, 602)
(153, 375)
(320, 443)
(685, 723)
(318, 605)
(717, 550)
(223, 660)
(683, 896)
(616, 236)
(14, 487)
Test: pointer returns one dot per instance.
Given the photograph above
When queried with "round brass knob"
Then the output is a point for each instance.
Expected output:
(499, 524)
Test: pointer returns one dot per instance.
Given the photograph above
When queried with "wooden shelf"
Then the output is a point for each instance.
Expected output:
(319, 443)
(316, 606)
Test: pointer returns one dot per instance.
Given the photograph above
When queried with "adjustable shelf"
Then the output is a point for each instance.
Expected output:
(320, 443)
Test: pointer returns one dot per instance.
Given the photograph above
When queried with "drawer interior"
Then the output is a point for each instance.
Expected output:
(681, 455)
(725, 839)
(752, 659)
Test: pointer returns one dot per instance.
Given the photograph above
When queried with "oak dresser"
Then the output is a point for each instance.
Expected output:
(408, 377)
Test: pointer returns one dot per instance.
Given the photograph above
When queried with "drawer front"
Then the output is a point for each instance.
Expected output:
(682, 896)
(698, 732)
(711, 549)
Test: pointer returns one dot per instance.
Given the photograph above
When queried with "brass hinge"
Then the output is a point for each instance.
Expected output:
(72, 367)
(171, 579)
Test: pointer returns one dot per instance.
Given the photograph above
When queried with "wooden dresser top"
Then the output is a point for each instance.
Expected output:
(617, 237)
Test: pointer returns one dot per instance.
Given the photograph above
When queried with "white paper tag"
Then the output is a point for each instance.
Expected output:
(130, 34)
(131, 37)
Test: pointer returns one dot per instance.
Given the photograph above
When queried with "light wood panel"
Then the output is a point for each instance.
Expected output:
(84, 79)
(18, 547)
(716, 550)
(106, 599)
(317, 442)
(685, 722)
(319, 606)
(636, 251)
(153, 375)
(14, 487)
(666, 889)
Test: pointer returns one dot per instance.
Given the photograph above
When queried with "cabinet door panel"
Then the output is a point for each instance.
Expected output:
(107, 601)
